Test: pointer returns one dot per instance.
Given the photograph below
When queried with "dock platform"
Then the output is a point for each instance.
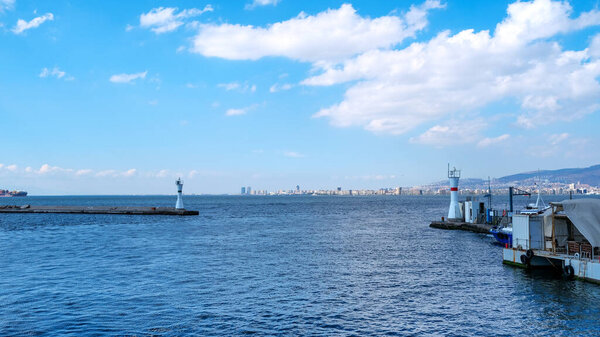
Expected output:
(463, 226)
(96, 210)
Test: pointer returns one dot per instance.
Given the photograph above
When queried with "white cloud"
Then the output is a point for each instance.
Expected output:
(563, 145)
(6, 5)
(257, 3)
(56, 72)
(451, 133)
(398, 90)
(23, 25)
(162, 174)
(162, 20)
(229, 86)
(43, 170)
(485, 142)
(236, 112)
(83, 172)
(280, 87)
(106, 173)
(595, 46)
(115, 173)
(558, 138)
(129, 173)
(127, 78)
(394, 90)
(529, 21)
(238, 86)
(293, 154)
(303, 37)
(47, 169)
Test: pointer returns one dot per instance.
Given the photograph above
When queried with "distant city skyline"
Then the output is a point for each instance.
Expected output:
(442, 188)
(125, 97)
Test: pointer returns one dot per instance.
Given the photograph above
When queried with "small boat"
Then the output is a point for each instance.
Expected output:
(503, 235)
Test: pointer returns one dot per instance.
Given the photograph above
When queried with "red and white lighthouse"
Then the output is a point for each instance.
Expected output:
(454, 212)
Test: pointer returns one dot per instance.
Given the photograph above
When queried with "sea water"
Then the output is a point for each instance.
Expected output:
(280, 265)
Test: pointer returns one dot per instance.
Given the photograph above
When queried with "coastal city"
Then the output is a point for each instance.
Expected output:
(442, 188)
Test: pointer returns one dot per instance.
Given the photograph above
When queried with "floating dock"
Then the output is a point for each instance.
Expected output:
(463, 226)
(96, 210)
(565, 238)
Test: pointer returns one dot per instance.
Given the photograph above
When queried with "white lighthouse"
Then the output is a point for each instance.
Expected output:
(454, 210)
(179, 204)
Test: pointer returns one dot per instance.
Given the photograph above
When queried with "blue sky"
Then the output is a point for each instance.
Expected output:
(121, 97)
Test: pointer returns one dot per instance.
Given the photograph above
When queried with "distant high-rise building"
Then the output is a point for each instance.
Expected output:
(297, 188)
(243, 190)
(248, 190)
(339, 189)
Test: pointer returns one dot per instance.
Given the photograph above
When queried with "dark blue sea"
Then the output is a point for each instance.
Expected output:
(296, 265)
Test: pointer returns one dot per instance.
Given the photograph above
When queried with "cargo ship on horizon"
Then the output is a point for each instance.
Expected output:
(7, 193)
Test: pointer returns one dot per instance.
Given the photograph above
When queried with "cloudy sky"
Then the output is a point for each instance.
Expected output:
(121, 97)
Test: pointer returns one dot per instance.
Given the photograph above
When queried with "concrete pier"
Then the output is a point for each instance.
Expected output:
(96, 210)
(463, 226)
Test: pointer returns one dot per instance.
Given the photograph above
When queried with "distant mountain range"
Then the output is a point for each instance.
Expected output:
(588, 175)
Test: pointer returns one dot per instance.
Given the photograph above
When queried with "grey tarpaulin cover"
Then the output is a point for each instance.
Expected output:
(585, 216)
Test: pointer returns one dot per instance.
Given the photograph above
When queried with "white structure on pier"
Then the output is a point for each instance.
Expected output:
(565, 237)
(454, 212)
(179, 204)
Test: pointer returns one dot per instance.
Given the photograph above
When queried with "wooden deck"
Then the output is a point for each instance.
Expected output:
(96, 210)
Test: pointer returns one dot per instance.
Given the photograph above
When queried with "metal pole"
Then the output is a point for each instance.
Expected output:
(510, 198)
(489, 193)
(553, 231)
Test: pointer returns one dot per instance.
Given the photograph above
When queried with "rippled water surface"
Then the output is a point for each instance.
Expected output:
(272, 265)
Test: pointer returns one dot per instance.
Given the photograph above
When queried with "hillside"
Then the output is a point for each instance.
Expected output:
(589, 175)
